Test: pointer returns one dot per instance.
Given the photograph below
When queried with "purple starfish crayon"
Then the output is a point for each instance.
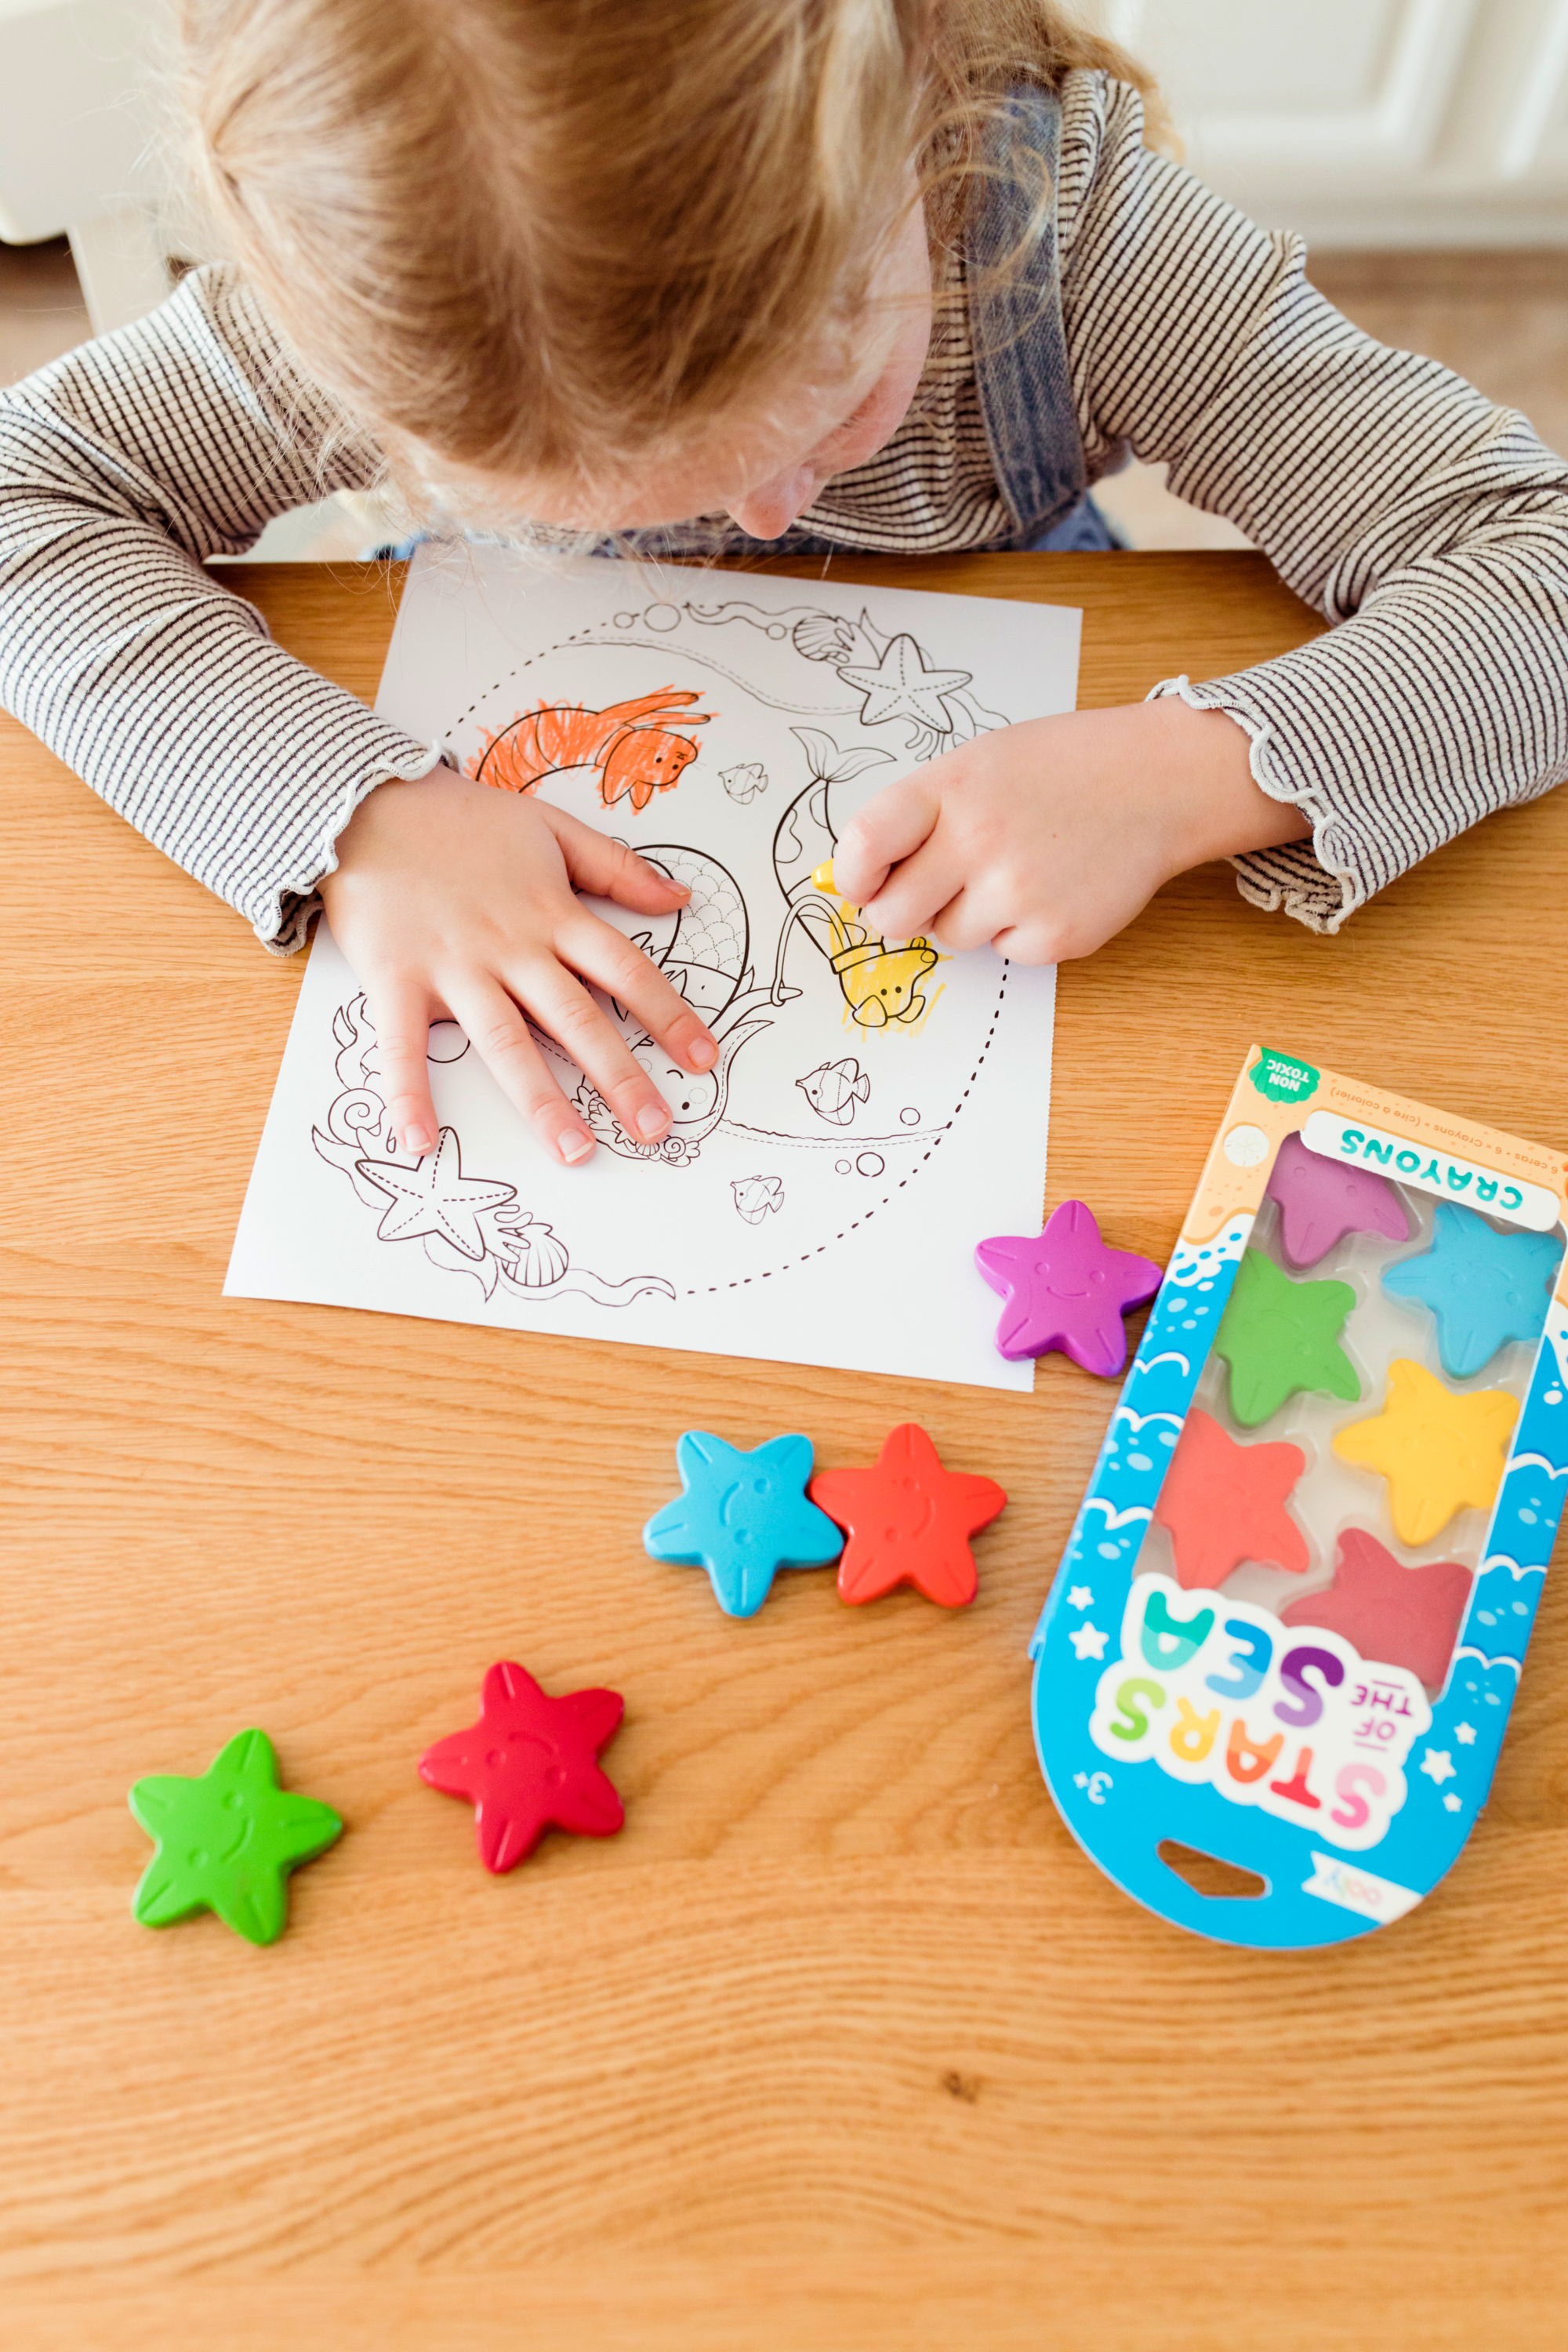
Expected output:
(1321, 1200)
(1065, 1290)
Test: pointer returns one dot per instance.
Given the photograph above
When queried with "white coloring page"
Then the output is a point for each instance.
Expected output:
(878, 1106)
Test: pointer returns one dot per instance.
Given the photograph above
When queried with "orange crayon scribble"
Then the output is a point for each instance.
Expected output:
(634, 755)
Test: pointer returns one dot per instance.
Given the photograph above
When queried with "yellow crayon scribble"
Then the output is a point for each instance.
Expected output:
(883, 987)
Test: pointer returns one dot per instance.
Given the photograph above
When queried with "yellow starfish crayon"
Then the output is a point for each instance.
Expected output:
(1438, 1451)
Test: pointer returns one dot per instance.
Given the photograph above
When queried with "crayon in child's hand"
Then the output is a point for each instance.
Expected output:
(822, 878)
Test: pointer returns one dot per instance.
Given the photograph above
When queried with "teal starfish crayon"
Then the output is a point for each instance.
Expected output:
(1484, 1287)
(1280, 1337)
(742, 1516)
(227, 1842)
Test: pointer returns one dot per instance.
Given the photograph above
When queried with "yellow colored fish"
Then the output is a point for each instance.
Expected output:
(882, 984)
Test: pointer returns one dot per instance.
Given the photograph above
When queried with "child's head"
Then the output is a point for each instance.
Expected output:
(606, 261)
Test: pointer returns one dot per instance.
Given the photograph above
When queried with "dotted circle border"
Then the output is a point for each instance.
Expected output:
(744, 1281)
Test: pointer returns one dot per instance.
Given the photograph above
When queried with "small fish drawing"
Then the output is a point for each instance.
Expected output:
(746, 782)
(834, 1089)
(755, 1195)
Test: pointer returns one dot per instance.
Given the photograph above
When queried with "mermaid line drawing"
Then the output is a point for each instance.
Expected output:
(882, 986)
(707, 957)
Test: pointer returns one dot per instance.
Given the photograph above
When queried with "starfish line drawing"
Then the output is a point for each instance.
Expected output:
(436, 1197)
(901, 687)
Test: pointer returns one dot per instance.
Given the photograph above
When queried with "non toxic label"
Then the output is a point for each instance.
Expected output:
(1281, 1078)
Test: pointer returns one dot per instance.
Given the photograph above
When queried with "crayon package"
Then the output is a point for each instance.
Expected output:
(1292, 1613)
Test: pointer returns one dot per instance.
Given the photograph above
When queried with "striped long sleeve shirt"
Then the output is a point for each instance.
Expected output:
(1429, 525)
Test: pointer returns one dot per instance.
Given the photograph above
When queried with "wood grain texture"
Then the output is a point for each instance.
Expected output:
(842, 2041)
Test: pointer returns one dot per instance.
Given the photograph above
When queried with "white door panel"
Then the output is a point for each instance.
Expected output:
(1266, 90)
(1534, 134)
(1370, 122)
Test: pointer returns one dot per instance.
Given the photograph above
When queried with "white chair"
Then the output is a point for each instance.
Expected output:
(86, 132)
(80, 138)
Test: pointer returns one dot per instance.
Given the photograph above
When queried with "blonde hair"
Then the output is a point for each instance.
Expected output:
(540, 238)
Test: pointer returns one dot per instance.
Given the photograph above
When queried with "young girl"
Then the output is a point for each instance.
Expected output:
(889, 273)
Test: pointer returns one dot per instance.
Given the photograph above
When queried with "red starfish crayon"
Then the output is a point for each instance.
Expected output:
(1395, 1616)
(530, 1763)
(908, 1521)
(1222, 1503)
(1066, 1290)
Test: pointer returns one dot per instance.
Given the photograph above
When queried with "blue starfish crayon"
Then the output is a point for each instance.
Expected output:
(742, 1516)
(1484, 1287)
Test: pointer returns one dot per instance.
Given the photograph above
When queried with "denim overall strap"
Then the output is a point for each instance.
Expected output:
(1015, 319)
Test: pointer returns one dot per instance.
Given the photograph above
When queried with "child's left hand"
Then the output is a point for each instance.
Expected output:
(1047, 837)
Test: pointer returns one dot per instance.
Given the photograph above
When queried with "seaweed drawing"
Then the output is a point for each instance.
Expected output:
(755, 1196)
(467, 1224)
(636, 755)
(834, 1088)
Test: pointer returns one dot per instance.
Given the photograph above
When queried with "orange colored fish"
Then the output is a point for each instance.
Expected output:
(634, 755)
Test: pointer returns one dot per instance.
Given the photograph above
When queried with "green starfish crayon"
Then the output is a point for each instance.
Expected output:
(1280, 1337)
(227, 1842)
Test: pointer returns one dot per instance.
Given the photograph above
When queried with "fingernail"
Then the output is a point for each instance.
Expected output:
(417, 1138)
(704, 1053)
(574, 1144)
(652, 1120)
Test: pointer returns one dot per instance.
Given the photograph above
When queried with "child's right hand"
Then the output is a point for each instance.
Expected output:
(455, 902)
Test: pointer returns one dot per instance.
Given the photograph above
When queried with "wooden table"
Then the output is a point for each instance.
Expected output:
(843, 2043)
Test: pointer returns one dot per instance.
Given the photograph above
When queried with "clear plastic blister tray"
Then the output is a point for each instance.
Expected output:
(1299, 1663)
(1332, 1495)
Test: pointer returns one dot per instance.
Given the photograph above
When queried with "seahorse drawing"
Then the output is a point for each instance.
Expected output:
(882, 986)
(635, 754)
(467, 1225)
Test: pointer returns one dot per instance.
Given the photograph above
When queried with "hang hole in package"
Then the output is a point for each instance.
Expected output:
(1292, 1613)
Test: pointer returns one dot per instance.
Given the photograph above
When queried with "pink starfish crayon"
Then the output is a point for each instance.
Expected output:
(1395, 1616)
(531, 1763)
(1065, 1290)
(1222, 1503)
(1321, 1200)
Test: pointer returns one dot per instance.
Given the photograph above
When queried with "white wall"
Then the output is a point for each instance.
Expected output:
(1367, 122)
